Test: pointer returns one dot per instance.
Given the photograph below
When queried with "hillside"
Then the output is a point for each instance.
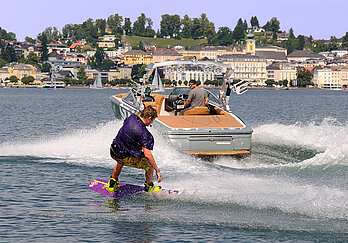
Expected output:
(164, 43)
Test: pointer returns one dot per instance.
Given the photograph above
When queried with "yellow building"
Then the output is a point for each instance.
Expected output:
(107, 41)
(190, 54)
(133, 57)
(22, 70)
(344, 77)
(120, 73)
(327, 78)
(288, 73)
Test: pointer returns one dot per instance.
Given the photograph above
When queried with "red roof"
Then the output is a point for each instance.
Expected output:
(309, 68)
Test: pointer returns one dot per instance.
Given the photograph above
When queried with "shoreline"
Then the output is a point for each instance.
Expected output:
(128, 87)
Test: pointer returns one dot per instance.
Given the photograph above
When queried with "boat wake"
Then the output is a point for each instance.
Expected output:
(225, 180)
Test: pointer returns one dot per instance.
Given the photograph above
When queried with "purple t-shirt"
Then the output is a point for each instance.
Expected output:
(131, 137)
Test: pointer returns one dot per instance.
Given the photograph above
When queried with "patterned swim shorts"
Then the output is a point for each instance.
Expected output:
(139, 163)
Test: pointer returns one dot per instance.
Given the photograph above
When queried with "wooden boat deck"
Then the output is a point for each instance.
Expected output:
(201, 121)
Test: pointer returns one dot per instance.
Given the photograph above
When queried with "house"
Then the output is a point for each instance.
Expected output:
(21, 70)
(283, 36)
(107, 41)
(74, 46)
(137, 57)
(178, 47)
(272, 56)
(59, 48)
(340, 52)
(148, 45)
(165, 55)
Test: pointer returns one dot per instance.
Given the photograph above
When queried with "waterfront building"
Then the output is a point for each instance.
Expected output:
(21, 70)
(120, 72)
(188, 72)
(327, 78)
(246, 67)
(344, 77)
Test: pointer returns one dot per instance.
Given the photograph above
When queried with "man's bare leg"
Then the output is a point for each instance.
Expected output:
(117, 171)
(149, 175)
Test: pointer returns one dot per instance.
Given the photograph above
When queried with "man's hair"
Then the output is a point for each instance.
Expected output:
(149, 112)
(193, 82)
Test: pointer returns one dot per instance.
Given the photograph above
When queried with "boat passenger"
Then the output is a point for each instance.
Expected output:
(197, 97)
(132, 147)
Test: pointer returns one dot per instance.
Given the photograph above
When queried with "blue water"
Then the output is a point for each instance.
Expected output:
(293, 187)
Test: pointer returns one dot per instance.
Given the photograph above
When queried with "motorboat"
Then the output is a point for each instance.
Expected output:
(204, 131)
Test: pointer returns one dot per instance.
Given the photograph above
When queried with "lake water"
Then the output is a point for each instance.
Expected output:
(292, 188)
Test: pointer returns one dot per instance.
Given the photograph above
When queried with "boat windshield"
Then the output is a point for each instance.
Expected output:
(180, 90)
(130, 98)
(212, 98)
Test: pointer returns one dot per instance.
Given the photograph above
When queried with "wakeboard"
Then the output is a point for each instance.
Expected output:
(126, 190)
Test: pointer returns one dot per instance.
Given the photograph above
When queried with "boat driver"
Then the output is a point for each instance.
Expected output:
(197, 97)
(132, 147)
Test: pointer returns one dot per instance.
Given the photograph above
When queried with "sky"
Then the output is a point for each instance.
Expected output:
(319, 18)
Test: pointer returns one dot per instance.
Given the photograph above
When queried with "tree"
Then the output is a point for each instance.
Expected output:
(127, 27)
(30, 40)
(101, 26)
(115, 23)
(238, 32)
(345, 40)
(223, 37)
(44, 51)
(197, 30)
(270, 82)
(170, 25)
(14, 79)
(254, 22)
(149, 32)
(27, 79)
(81, 74)
(139, 25)
(3, 62)
(300, 42)
(291, 34)
(107, 64)
(98, 58)
(32, 59)
(68, 31)
(9, 54)
(46, 67)
(187, 27)
(272, 25)
(304, 77)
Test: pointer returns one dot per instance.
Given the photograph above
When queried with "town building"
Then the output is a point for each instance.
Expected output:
(21, 70)
(303, 55)
(133, 57)
(165, 55)
(246, 67)
(327, 78)
(107, 41)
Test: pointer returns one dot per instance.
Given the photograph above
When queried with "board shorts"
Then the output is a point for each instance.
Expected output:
(131, 161)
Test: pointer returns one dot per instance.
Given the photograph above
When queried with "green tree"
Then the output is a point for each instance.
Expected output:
(139, 25)
(32, 59)
(27, 79)
(170, 25)
(186, 22)
(127, 27)
(300, 42)
(46, 67)
(44, 51)
(81, 74)
(9, 54)
(68, 31)
(291, 34)
(238, 32)
(270, 82)
(98, 58)
(223, 37)
(30, 40)
(254, 22)
(115, 23)
(14, 79)
(100, 25)
(304, 77)
(149, 32)
(345, 40)
(272, 25)
(3, 62)
(107, 64)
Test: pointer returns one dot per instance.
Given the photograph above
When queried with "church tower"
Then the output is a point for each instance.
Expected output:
(250, 44)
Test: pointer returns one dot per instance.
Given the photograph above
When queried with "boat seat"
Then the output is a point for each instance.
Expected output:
(198, 110)
(121, 95)
(157, 104)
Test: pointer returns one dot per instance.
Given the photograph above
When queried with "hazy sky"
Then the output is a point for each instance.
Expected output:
(319, 18)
